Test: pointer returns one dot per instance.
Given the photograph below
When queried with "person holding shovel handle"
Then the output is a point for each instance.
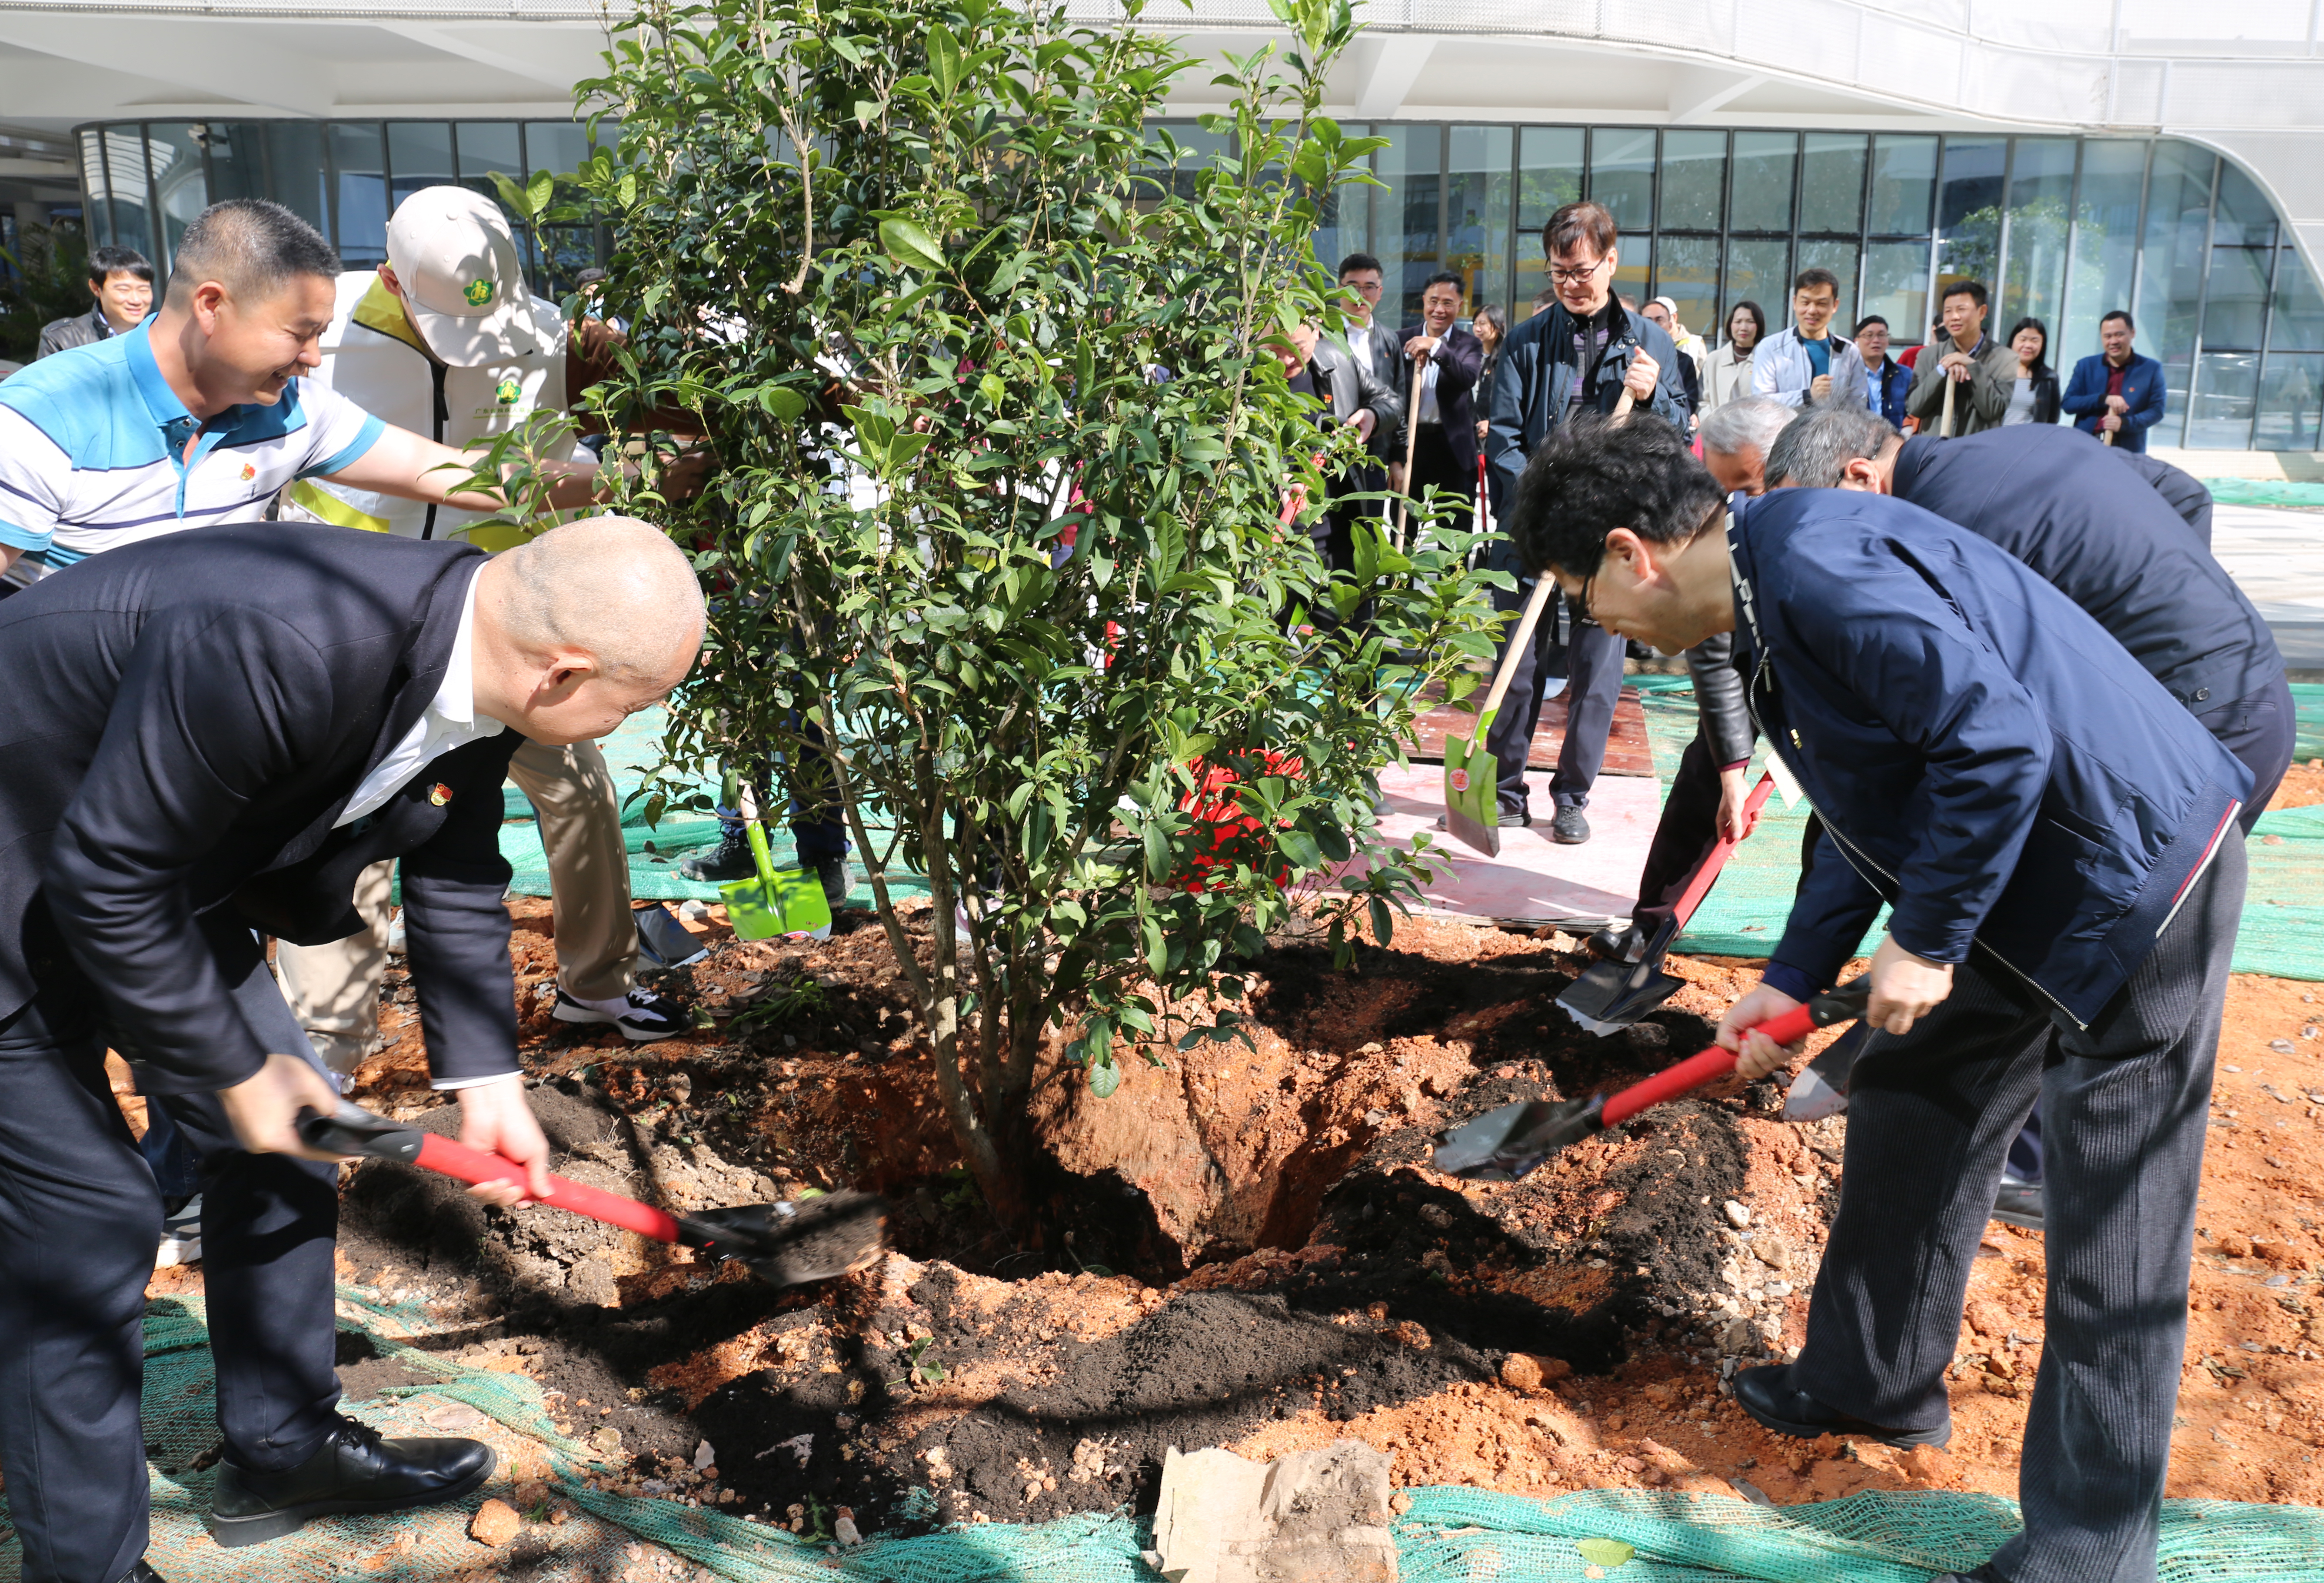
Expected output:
(2056, 837)
(231, 724)
(1576, 357)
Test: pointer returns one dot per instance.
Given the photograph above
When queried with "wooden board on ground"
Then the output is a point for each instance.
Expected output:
(1626, 752)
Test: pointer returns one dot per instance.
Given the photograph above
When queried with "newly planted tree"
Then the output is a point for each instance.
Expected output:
(1006, 453)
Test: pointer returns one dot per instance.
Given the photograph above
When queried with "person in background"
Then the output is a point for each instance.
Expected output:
(1376, 349)
(122, 282)
(1912, 355)
(1886, 380)
(2117, 390)
(2033, 399)
(1726, 373)
(1737, 440)
(1544, 299)
(1576, 358)
(1491, 328)
(1806, 365)
(1448, 359)
(1316, 365)
(1662, 311)
(1983, 370)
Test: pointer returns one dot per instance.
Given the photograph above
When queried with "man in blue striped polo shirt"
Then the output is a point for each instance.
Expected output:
(199, 415)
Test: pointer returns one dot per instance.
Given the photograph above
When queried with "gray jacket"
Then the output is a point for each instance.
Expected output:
(1781, 372)
(1979, 405)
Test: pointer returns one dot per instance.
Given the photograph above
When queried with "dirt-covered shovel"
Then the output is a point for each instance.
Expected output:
(1505, 1144)
(785, 1244)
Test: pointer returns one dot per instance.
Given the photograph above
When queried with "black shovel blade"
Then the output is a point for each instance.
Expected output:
(790, 1244)
(1503, 1144)
(1610, 996)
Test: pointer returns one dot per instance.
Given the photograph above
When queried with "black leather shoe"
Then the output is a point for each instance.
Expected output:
(2019, 1204)
(141, 1573)
(723, 864)
(1569, 828)
(355, 1471)
(1766, 1394)
(1624, 944)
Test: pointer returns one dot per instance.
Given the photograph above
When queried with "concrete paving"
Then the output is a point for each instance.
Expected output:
(2276, 557)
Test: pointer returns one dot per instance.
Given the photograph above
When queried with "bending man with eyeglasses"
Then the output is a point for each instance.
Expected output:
(2056, 837)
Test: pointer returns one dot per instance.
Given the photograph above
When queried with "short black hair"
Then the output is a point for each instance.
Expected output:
(250, 246)
(1593, 475)
(1869, 319)
(2122, 314)
(1973, 290)
(105, 262)
(1816, 275)
(1447, 278)
(1358, 261)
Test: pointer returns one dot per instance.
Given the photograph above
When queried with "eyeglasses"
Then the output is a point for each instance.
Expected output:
(1581, 277)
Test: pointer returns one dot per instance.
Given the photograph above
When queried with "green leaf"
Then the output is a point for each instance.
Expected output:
(537, 192)
(1157, 840)
(1300, 848)
(1608, 1553)
(944, 58)
(1104, 1079)
(782, 403)
(908, 244)
(1383, 921)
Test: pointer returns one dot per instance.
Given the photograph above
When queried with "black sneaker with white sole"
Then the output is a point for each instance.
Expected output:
(833, 875)
(723, 864)
(640, 1015)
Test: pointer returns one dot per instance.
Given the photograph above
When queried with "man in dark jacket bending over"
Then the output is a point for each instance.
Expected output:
(230, 724)
(2057, 837)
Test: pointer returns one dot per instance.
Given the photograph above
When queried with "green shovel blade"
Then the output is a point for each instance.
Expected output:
(1471, 777)
(779, 901)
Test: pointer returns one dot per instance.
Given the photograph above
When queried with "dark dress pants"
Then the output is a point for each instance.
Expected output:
(1593, 669)
(2124, 1103)
(1434, 467)
(79, 1216)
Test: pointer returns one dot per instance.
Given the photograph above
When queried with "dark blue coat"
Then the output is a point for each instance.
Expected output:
(1533, 386)
(1887, 388)
(1982, 755)
(2096, 527)
(2143, 389)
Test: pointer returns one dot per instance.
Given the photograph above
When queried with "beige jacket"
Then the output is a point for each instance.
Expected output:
(1724, 376)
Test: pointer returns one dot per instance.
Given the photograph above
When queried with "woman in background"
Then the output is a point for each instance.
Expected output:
(2036, 398)
(1726, 373)
(1492, 327)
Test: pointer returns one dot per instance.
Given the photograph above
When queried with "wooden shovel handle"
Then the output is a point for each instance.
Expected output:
(1945, 425)
(1411, 448)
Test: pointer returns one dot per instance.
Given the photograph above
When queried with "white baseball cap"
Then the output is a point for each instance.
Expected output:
(463, 282)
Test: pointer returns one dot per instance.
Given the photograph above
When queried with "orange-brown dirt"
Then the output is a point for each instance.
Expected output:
(1257, 1172)
(2302, 787)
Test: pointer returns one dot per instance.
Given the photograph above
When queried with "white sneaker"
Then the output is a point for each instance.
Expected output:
(641, 1014)
(181, 1236)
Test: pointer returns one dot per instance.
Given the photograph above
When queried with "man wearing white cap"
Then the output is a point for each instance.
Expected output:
(446, 340)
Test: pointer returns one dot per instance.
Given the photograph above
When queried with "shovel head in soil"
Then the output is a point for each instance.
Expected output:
(1610, 995)
(788, 1244)
(1505, 1144)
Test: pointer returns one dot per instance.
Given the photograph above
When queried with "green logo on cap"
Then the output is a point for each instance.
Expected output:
(478, 293)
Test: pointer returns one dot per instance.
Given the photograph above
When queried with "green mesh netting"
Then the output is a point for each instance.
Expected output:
(1744, 914)
(2264, 491)
(1450, 1535)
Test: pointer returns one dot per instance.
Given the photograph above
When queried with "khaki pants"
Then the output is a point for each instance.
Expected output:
(334, 989)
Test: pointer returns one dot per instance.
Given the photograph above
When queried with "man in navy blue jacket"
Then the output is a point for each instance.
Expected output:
(2117, 391)
(2056, 837)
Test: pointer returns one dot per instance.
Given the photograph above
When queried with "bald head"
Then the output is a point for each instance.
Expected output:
(583, 626)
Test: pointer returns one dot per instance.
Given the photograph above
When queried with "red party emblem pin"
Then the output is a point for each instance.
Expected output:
(439, 793)
(249, 471)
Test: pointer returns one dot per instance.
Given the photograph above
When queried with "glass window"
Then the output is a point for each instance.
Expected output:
(2291, 392)
(1405, 217)
(92, 176)
(487, 147)
(1904, 184)
(1761, 199)
(1896, 288)
(419, 154)
(2040, 193)
(563, 147)
(1761, 272)
(2298, 321)
(2226, 388)
(1686, 271)
(1968, 209)
(2106, 242)
(1839, 258)
(358, 191)
(2234, 309)
(180, 192)
(1477, 211)
(1831, 181)
(2245, 216)
(1634, 268)
(1344, 223)
(1694, 177)
(130, 188)
(1622, 175)
(2171, 264)
(1549, 176)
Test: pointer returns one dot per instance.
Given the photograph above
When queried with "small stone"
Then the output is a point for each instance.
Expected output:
(2235, 1247)
(1399, 1503)
(1520, 1372)
(703, 1456)
(495, 1523)
(843, 1530)
(2281, 1046)
(1737, 1215)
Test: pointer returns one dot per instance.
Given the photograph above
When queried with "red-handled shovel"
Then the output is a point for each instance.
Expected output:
(1505, 1144)
(788, 1244)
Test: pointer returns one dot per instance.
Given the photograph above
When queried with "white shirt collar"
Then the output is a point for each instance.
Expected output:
(451, 721)
(455, 702)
